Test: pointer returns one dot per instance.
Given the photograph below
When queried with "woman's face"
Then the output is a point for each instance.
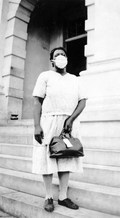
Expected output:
(59, 59)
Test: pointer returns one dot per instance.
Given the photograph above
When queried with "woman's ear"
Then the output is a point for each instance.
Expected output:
(53, 64)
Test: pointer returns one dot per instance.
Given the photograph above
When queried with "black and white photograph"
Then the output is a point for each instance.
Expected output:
(60, 108)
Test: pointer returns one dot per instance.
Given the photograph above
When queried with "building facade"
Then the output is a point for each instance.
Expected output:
(89, 30)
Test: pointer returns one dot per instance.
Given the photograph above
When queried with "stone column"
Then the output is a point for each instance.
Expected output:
(102, 77)
(3, 25)
(107, 29)
(1, 4)
(14, 52)
(90, 29)
(14, 58)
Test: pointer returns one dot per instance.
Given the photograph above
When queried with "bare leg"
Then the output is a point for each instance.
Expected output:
(63, 200)
(63, 184)
(48, 185)
(48, 204)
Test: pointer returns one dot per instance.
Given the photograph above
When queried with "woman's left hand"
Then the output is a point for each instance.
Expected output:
(68, 124)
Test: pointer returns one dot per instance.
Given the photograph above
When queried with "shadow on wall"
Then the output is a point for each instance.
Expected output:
(37, 60)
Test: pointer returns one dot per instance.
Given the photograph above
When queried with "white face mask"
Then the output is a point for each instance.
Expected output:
(61, 61)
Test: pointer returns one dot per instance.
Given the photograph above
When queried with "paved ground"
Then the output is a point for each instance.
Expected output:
(5, 215)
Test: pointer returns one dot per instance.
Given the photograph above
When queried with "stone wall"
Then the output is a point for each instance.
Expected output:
(102, 77)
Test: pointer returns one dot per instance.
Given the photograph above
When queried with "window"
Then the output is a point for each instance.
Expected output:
(75, 28)
(75, 39)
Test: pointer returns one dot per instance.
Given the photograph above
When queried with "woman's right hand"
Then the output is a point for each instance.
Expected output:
(38, 133)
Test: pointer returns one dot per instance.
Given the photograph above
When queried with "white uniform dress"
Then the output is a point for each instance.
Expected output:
(61, 94)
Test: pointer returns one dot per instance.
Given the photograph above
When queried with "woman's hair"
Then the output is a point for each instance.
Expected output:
(52, 52)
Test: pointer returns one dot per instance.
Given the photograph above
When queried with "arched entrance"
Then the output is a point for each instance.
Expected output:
(34, 29)
(15, 53)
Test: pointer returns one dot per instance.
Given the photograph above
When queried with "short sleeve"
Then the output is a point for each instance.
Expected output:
(82, 93)
(40, 86)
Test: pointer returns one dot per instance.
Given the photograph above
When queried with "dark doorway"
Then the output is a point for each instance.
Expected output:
(76, 58)
(75, 37)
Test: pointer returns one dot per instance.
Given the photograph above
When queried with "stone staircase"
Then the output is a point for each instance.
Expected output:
(96, 191)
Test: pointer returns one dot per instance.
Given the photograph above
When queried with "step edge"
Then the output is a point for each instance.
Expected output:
(15, 157)
(81, 185)
(80, 211)
(101, 150)
(19, 145)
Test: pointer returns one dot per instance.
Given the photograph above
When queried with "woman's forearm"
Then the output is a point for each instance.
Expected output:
(38, 132)
(80, 107)
(37, 110)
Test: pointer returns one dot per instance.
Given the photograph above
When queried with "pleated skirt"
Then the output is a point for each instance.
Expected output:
(52, 125)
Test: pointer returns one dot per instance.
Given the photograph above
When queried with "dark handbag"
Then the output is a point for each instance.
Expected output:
(65, 146)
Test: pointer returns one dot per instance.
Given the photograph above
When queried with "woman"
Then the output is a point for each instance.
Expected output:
(58, 101)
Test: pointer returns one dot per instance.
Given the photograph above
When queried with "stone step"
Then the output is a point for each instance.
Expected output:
(23, 205)
(21, 132)
(90, 196)
(23, 164)
(92, 156)
(99, 174)
(16, 127)
(16, 149)
(102, 157)
(100, 114)
(16, 139)
(16, 130)
(10, 154)
(23, 122)
(87, 141)
(101, 142)
(100, 129)
(3, 215)
(88, 128)
(105, 176)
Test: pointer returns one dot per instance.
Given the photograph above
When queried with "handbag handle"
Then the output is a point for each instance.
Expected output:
(65, 134)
